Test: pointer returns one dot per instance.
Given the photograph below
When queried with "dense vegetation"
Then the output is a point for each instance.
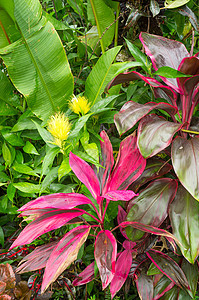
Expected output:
(99, 135)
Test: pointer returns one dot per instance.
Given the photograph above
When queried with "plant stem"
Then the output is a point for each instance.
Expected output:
(190, 131)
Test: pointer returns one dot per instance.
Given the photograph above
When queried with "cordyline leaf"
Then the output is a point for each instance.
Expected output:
(120, 195)
(85, 174)
(64, 254)
(121, 217)
(57, 201)
(151, 206)
(37, 259)
(186, 11)
(168, 267)
(122, 269)
(183, 213)
(164, 52)
(155, 134)
(163, 285)
(144, 285)
(131, 112)
(129, 165)
(192, 274)
(185, 159)
(155, 168)
(107, 159)
(47, 222)
(86, 276)
(151, 229)
(105, 256)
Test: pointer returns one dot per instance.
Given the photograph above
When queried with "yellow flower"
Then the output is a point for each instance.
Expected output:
(79, 105)
(59, 126)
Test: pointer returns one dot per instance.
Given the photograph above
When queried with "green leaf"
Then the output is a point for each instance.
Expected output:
(7, 156)
(64, 168)
(11, 192)
(78, 126)
(12, 138)
(50, 177)
(1, 237)
(36, 61)
(27, 187)
(169, 72)
(139, 56)
(30, 148)
(104, 17)
(49, 158)
(45, 134)
(100, 75)
(183, 212)
(154, 7)
(129, 65)
(24, 169)
(175, 3)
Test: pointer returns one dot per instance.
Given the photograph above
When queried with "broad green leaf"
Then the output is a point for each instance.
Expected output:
(45, 134)
(11, 191)
(139, 56)
(1, 237)
(92, 150)
(78, 126)
(183, 212)
(104, 17)
(27, 187)
(175, 3)
(151, 206)
(6, 87)
(49, 158)
(169, 72)
(37, 62)
(24, 169)
(129, 65)
(7, 110)
(4, 177)
(100, 75)
(7, 156)
(50, 177)
(185, 159)
(64, 168)
(30, 148)
(192, 274)
(13, 139)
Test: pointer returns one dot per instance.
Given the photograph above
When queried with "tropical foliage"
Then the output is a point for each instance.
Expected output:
(99, 149)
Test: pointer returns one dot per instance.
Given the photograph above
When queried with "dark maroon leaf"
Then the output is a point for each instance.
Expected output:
(155, 134)
(137, 264)
(184, 212)
(105, 256)
(163, 285)
(155, 168)
(168, 267)
(86, 276)
(151, 206)
(121, 217)
(144, 285)
(129, 165)
(164, 52)
(185, 159)
(131, 112)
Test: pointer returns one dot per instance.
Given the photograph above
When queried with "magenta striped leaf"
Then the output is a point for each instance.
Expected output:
(37, 259)
(163, 285)
(85, 174)
(45, 223)
(129, 165)
(121, 217)
(107, 160)
(168, 267)
(131, 112)
(105, 256)
(185, 159)
(122, 269)
(64, 254)
(151, 206)
(86, 276)
(164, 52)
(155, 134)
(57, 201)
(120, 195)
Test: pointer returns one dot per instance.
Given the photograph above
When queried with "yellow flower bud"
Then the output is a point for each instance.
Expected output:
(59, 126)
(79, 105)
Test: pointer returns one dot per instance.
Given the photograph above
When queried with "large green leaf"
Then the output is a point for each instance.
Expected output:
(183, 212)
(104, 17)
(100, 75)
(151, 206)
(36, 62)
(185, 159)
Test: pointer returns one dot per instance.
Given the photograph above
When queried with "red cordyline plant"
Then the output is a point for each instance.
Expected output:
(110, 183)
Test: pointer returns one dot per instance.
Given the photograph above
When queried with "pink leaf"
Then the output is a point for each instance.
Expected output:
(107, 159)
(129, 165)
(85, 174)
(64, 254)
(86, 276)
(43, 224)
(57, 201)
(122, 269)
(105, 256)
(120, 195)
(121, 217)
